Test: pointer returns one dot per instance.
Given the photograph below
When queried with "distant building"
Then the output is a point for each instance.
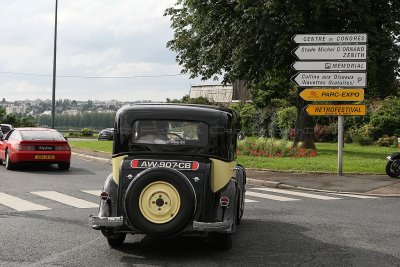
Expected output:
(216, 93)
(70, 112)
(13, 109)
(47, 112)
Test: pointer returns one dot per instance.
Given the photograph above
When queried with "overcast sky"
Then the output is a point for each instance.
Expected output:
(117, 38)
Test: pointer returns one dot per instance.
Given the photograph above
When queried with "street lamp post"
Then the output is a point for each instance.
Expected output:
(53, 98)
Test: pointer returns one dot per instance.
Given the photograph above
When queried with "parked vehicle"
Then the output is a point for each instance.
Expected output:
(5, 128)
(106, 134)
(174, 172)
(34, 145)
(393, 165)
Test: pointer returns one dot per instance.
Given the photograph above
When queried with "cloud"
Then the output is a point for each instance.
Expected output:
(95, 38)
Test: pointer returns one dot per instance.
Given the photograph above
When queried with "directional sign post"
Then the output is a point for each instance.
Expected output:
(329, 38)
(336, 110)
(332, 68)
(330, 79)
(322, 94)
(331, 52)
(330, 65)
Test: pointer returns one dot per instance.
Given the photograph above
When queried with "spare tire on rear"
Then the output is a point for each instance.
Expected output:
(160, 202)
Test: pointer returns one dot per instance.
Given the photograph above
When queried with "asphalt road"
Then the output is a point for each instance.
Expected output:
(292, 229)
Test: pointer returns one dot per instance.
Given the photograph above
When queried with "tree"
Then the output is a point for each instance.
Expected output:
(2, 114)
(251, 40)
(187, 100)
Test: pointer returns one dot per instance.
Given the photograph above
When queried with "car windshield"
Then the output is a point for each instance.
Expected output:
(41, 135)
(192, 133)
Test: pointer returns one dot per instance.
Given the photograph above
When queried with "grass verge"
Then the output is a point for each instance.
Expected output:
(356, 158)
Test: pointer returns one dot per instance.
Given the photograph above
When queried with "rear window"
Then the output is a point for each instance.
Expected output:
(170, 132)
(41, 135)
(5, 128)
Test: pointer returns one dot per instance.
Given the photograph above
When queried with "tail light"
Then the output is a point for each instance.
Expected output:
(104, 196)
(224, 201)
(24, 148)
(62, 148)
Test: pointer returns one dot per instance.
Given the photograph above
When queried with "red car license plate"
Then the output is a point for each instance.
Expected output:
(44, 157)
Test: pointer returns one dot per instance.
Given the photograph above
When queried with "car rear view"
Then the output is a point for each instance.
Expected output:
(36, 146)
(174, 172)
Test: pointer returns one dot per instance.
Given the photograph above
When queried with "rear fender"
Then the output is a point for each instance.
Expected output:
(109, 208)
(228, 213)
(394, 156)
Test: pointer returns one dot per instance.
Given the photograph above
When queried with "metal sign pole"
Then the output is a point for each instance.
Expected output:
(340, 144)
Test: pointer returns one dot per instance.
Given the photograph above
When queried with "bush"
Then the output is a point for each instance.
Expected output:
(324, 133)
(287, 119)
(362, 135)
(389, 141)
(386, 119)
(86, 132)
(267, 147)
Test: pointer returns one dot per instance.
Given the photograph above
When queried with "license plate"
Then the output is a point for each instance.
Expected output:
(172, 164)
(44, 157)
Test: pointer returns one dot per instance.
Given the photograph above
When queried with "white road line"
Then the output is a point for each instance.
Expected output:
(268, 196)
(65, 199)
(19, 204)
(294, 193)
(351, 195)
(93, 192)
(249, 200)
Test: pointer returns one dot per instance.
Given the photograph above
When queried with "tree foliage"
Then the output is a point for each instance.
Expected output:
(248, 39)
(187, 100)
(251, 40)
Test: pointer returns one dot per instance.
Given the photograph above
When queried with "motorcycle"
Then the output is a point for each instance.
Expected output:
(393, 165)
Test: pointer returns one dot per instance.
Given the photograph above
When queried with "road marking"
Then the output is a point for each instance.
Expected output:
(268, 196)
(93, 192)
(19, 204)
(351, 195)
(294, 193)
(65, 199)
(249, 200)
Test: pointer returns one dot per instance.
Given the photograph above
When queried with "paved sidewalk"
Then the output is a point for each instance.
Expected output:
(359, 184)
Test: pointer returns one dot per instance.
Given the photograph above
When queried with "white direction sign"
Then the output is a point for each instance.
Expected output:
(330, 65)
(331, 52)
(330, 38)
(330, 79)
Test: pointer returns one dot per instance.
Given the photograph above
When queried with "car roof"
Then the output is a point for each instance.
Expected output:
(35, 129)
(175, 111)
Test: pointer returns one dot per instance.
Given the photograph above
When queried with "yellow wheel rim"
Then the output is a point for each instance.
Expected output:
(159, 202)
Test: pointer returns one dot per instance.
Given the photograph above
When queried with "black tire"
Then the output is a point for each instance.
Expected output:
(221, 241)
(393, 168)
(177, 218)
(9, 164)
(241, 196)
(240, 207)
(64, 166)
(116, 240)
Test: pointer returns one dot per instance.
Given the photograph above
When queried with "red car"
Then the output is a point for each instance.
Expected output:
(35, 145)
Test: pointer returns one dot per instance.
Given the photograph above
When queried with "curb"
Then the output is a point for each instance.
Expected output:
(252, 181)
(92, 158)
(287, 186)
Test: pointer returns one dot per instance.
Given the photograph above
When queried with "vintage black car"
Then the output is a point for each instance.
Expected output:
(174, 173)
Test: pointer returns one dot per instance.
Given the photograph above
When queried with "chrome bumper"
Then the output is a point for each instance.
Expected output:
(97, 222)
(212, 226)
